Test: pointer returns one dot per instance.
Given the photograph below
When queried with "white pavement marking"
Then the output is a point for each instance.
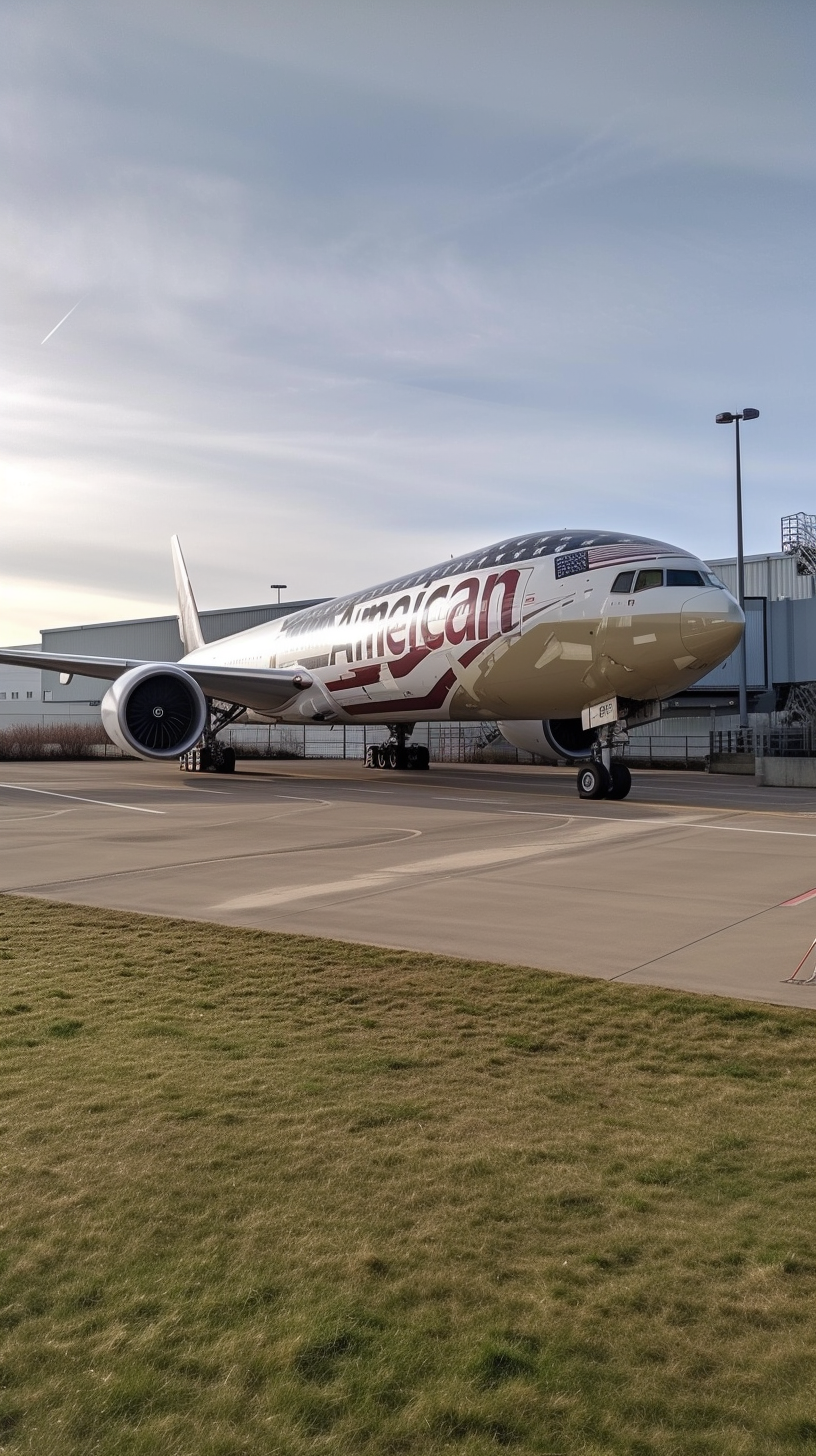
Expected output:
(307, 799)
(193, 789)
(33, 818)
(461, 799)
(78, 799)
(746, 829)
(445, 864)
(668, 824)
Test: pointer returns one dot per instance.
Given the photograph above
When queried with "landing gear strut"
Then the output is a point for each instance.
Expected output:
(605, 777)
(211, 755)
(396, 753)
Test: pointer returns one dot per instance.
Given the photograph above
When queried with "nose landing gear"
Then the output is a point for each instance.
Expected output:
(605, 777)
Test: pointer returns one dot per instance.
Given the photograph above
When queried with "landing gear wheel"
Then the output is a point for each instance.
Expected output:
(593, 781)
(392, 756)
(379, 756)
(418, 756)
(621, 780)
(227, 764)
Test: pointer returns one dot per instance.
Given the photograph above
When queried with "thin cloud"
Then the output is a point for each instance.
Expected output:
(367, 302)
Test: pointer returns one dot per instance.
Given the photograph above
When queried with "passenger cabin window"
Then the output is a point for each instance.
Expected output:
(623, 581)
(683, 578)
(647, 579)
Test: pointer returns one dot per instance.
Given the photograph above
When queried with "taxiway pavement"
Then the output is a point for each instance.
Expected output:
(686, 884)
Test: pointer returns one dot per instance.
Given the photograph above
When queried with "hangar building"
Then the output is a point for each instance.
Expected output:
(26, 694)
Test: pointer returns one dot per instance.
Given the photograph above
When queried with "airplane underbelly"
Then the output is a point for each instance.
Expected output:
(532, 675)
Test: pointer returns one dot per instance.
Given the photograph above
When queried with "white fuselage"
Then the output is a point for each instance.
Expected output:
(535, 627)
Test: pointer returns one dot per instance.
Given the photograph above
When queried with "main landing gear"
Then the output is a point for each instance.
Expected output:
(396, 753)
(211, 755)
(605, 777)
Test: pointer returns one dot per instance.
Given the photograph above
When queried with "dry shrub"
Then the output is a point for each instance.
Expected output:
(53, 740)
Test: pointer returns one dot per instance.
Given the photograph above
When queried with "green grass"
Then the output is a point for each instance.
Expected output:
(263, 1193)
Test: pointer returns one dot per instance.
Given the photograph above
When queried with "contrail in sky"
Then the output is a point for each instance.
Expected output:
(62, 321)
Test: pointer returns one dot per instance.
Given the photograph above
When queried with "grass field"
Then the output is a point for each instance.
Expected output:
(263, 1193)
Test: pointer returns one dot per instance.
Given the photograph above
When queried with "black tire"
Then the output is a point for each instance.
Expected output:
(418, 756)
(593, 781)
(621, 780)
(379, 755)
(370, 759)
(392, 756)
(227, 764)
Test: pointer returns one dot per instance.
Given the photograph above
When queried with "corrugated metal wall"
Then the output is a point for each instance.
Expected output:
(792, 641)
(773, 576)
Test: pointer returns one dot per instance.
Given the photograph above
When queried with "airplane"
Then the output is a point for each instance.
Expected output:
(565, 638)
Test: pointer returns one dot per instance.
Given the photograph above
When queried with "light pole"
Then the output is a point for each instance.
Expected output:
(729, 418)
(278, 586)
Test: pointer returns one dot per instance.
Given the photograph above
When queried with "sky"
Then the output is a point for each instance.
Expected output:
(358, 285)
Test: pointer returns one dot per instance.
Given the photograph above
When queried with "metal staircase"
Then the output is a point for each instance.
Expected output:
(799, 540)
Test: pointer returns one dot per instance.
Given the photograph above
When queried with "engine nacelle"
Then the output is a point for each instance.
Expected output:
(156, 712)
(551, 738)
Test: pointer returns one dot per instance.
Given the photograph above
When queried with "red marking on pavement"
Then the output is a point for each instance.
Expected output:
(800, 899)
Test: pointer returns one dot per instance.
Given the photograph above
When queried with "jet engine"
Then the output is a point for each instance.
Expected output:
(551, 738)
(155, 711)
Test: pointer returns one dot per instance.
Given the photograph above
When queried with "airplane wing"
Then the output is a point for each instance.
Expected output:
(264, 689)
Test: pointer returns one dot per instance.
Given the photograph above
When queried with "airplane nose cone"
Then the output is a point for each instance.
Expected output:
(711, 625)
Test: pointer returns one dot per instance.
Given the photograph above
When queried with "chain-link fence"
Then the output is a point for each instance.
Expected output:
(446, 742)
(664, 750)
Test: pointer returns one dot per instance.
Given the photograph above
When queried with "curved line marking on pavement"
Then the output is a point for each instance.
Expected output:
(389, 876)
(219, 859)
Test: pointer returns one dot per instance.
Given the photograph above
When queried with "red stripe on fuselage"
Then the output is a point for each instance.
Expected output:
(434, 699)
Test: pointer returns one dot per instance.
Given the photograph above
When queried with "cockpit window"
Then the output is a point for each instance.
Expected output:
(715, 581)
(683, 578)
(623, 581)
(647, 579)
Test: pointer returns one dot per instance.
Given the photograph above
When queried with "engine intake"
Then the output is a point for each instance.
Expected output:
(568, 738)
(551, 738)
(156, 712)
